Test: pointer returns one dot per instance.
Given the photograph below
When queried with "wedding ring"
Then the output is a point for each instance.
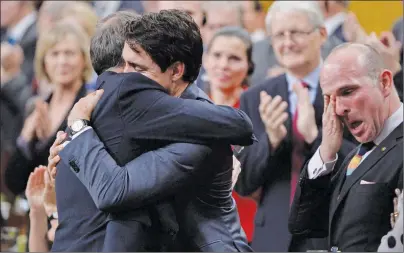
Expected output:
(395, 214)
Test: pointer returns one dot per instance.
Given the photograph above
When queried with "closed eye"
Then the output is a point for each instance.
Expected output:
(346, 92)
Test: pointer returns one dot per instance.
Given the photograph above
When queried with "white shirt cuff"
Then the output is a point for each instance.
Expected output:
(76, 135)
(317, 167)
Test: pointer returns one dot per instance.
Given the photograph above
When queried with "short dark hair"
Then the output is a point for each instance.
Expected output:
(243, 35)
(108, 41)
(168, 36)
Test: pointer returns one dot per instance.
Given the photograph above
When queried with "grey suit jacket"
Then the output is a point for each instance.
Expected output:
(156, 175)
(264, 57)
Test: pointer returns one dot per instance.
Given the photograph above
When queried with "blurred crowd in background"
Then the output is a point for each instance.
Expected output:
(46, 67)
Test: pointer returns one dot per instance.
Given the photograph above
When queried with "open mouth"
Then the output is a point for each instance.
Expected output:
(354, 125)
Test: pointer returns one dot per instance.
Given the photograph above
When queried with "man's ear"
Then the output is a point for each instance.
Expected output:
(386, 82)
(178, 71)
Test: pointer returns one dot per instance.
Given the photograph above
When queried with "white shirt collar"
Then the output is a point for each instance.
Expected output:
(18, 31)
(332, 23)
(391, 123)
(311, 79)
(258, 35)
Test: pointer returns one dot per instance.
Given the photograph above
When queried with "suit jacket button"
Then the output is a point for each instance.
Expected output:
(74, 166)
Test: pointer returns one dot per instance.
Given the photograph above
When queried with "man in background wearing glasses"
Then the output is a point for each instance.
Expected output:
(286, 112)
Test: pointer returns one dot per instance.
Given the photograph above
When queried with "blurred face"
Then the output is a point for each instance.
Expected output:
(296, 43)
(142, 63)
(10, 12)
(226, 63)
(360, 102)
(217, 19)
(251, 17)
(64, 63)
(193, 8)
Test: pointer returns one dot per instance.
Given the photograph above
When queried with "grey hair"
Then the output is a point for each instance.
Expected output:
(218, 5)
(310, 8)
(109, 39)
(369, 58)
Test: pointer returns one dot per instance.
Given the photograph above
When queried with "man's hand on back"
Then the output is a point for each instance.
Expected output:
(54, 157)
(84, 107)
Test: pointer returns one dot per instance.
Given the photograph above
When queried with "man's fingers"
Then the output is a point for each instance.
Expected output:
(280, 120)
(274, 104)
(265, 99)
(326, 103)
(278, 111)
(93, 98)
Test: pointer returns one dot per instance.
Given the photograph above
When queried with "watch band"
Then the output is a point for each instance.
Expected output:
(72, 132)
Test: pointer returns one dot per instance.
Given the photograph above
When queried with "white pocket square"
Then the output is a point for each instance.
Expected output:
(366, 182)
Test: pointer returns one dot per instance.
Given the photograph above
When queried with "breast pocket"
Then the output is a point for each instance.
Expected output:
(375, 198)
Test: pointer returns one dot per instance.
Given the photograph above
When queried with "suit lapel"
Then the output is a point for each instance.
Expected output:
(338, 180)
(378, 153)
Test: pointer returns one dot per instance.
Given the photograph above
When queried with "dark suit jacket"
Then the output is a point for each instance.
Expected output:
(13, 97)
(261, 167)
(339, 33)
(355, 216)
(136, 115)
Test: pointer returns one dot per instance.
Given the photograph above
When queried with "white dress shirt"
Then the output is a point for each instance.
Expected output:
(318, 168)
(18, 31)
(332, 23)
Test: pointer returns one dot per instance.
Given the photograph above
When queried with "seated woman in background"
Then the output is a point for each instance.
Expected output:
(62, 58)
(228, 64)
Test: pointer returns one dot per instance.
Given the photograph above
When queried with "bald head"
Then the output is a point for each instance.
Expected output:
(357, 57)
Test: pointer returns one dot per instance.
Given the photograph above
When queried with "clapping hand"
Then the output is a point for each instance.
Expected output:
(306, 122)
(35, 189)
(395, 214)
(273, 115)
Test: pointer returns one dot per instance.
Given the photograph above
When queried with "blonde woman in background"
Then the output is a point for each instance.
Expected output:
(52, 12)
(63, 60)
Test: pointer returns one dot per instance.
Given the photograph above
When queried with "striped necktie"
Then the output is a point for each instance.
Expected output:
(356, 160)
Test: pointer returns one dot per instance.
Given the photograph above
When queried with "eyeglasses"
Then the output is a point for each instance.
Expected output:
(294, 35)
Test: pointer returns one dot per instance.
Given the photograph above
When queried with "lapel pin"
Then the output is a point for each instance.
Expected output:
(383, 148)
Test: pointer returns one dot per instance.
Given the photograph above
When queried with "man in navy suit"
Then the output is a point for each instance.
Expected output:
(287, 113)
(145, 118)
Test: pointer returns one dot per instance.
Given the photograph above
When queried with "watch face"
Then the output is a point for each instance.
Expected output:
(77, 125)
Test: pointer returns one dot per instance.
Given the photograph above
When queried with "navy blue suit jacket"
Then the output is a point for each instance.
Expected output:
(136, 115)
